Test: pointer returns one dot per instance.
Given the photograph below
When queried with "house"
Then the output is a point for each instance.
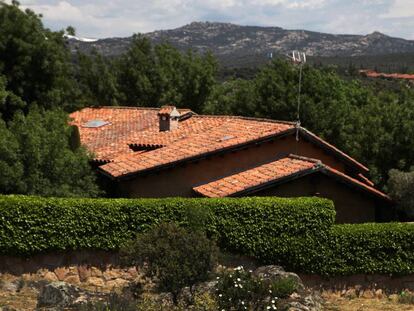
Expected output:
(169, 152)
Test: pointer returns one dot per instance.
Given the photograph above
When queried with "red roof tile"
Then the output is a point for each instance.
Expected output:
(196, 136)
(275, 171)
(257, 176)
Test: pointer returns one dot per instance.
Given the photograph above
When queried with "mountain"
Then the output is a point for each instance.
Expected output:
(230, 41)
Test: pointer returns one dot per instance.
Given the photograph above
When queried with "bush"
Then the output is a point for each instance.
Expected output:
(298, 233)
(370, 248)
(241, 290)
(174, 256)
(253, 226)
(401, 188)
(406, 297)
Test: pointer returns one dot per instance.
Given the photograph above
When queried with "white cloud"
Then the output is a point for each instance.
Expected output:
(97, 18)
(400, 8)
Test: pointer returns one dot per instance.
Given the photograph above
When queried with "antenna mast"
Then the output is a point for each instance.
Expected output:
(298, 58)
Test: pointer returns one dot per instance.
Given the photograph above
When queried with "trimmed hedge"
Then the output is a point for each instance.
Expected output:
(297, 233)
(384, 248)
(30, 225)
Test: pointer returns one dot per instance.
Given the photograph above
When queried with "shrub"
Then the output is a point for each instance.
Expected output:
(369, 248)
(241, 290)
(175, 256)
(298, 233)
(401, 188)
(406, 297)
(261, 227)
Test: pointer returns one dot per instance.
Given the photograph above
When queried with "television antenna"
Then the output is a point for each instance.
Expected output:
(299, 59)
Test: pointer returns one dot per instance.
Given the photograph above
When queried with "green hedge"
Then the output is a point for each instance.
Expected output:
(30, 225)
(298, 233)
(386, 248)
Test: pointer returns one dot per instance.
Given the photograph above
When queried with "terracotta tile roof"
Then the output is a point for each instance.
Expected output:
(374, 74)
(276, 171)
(128, 125)
(354, 182)
(258, 176)
(196, 136)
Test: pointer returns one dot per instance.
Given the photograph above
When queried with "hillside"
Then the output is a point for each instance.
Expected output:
(228, 41)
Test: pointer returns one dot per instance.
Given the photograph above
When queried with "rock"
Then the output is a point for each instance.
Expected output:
(72, 279)
(95, 272)
(57, 294)
(50, 276)
(61, 273)
(368, 294)
(117, 283)
(350, 293)
(95, 281)
(275, 273)
(84, 273)
(111, 275)
(393, 298)
(379, 294)
(9, 286)
(297, 306)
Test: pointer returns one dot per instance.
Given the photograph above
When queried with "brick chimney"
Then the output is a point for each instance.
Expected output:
(168, 118)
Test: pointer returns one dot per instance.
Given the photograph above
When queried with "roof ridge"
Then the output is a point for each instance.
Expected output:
(244, 118)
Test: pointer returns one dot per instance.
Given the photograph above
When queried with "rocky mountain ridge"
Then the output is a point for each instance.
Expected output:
(229, 40)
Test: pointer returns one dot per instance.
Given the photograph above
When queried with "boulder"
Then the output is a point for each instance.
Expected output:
(57, 294)
(275, 273)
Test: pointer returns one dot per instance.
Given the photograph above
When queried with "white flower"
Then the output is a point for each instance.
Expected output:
(238, 279)
(273, 301)
(236, 285)
(242, 302)
(270, 291)
(220, 295)
(240, 286)
(218, 278)
(268, 308)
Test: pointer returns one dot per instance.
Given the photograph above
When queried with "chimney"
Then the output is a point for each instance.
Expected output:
(168, 118)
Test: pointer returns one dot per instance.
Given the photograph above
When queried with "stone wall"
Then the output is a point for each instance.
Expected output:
(95, 270)
(103, 271)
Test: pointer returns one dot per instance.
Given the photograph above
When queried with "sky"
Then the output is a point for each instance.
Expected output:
(121, 18)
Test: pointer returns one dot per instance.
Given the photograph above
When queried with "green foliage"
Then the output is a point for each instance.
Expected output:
(406, 297)
(298, 233)
(358, 118)
(401, 188)
(97, 81)
(34, 60)
(113, 302)
(175, 256)
(370, 248)
(154, 76)
(37, 157)
(241, 290)
(30, 225)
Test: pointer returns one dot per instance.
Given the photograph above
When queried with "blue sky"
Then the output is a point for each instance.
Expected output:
(111, 18)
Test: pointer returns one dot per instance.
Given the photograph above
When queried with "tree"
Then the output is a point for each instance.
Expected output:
(11, 168)
(96, 79)
(38, 159)
(154, 76)
(401, 188)
(35, 61)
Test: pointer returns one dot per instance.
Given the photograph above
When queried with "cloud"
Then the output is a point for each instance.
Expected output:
(400, 8)
(97, 18)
